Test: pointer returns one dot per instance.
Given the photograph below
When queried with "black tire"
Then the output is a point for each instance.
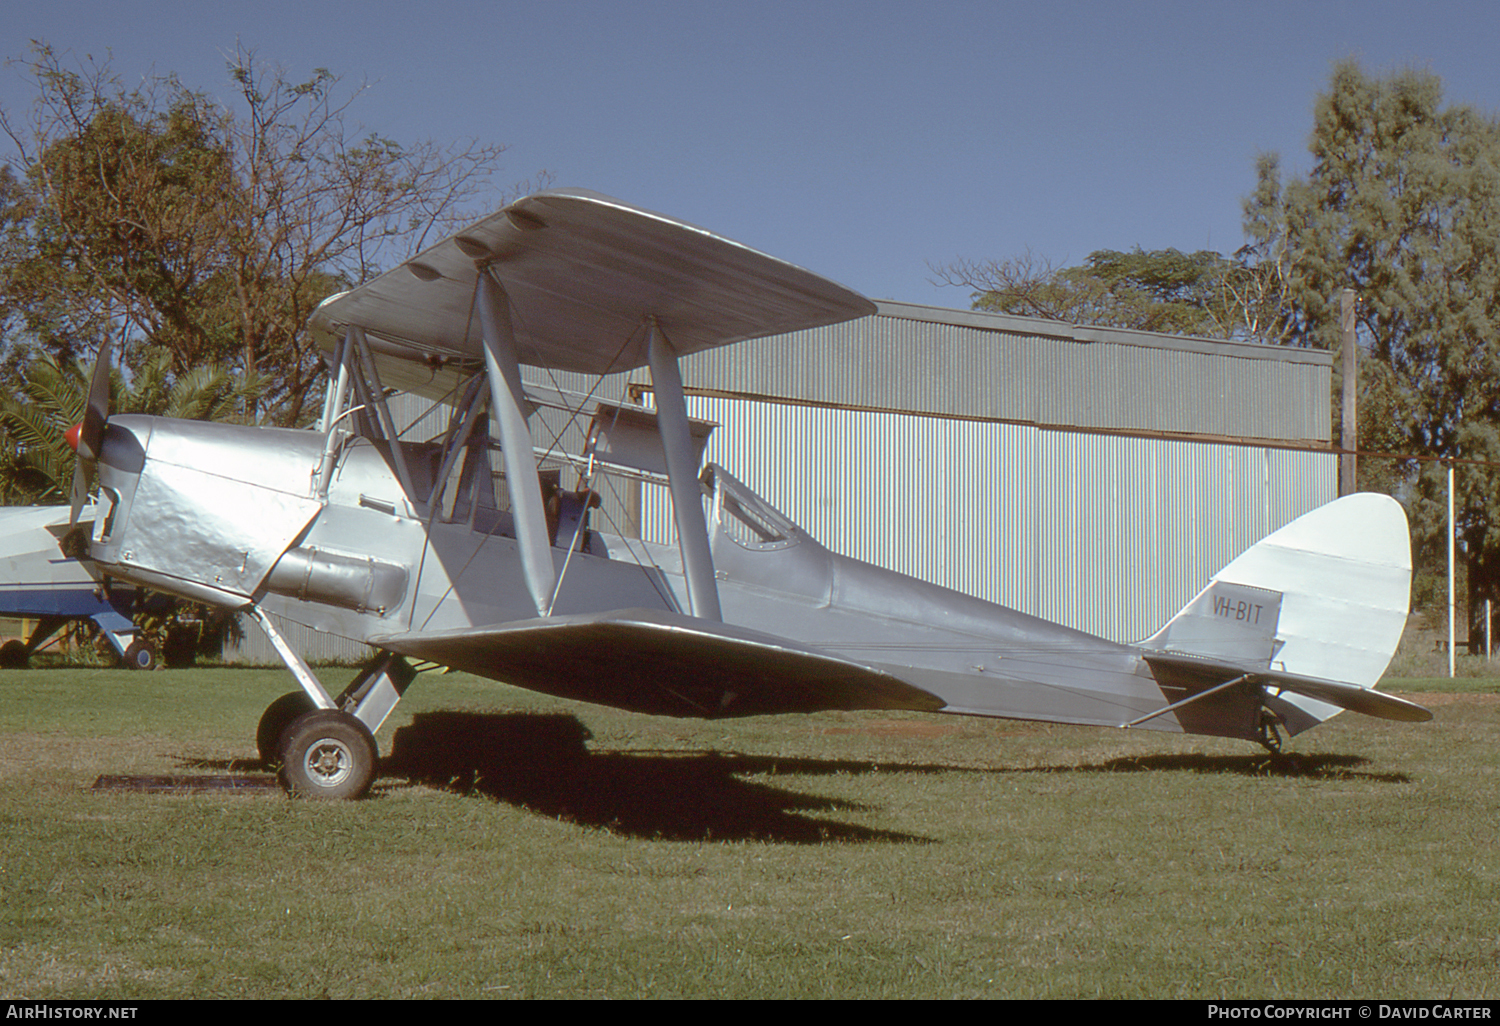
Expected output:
(327, 755)
(140, 655)
(179, 650)
(14, 655)
(273, 723)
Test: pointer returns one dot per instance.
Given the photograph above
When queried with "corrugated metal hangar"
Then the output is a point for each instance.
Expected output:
(1096, 477)
(1093, 476)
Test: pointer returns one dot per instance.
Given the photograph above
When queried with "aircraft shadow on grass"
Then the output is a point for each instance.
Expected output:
(541, 762)
(1282, 766)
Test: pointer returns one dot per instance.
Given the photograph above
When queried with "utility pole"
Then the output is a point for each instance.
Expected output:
(1452, 594)
(1349, 430)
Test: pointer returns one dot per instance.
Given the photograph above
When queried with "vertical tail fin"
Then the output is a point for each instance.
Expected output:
(1326, 596)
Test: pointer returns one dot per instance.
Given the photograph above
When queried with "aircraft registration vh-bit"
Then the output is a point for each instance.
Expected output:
(423, 551)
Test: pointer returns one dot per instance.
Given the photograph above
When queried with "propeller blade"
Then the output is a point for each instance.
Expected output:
(81, 476)
(90, 434)
(97, 413)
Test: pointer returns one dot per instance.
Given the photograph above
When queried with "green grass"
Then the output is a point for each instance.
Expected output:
(518, 846)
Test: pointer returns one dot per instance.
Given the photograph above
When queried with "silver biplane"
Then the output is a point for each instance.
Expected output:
(429, 552)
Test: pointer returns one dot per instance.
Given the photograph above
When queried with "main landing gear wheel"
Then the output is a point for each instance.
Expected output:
(273, 723)
(327, 754)
(140, 655)
(14, 655)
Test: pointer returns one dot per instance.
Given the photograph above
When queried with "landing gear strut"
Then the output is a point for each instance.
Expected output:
(324, 747)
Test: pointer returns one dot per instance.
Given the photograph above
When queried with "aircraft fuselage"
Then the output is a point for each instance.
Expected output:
(322, 532)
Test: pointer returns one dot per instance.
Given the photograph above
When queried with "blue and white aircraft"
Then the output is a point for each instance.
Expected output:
(39, 582)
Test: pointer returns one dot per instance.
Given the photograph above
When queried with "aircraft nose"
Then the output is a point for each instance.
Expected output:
(73, 434)
(123, 446)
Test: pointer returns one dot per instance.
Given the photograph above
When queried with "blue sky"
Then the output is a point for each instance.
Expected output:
(862, 139)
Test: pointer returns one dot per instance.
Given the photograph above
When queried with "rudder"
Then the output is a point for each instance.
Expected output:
(1325, 596)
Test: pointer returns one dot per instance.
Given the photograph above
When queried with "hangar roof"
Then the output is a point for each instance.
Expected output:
(965, 363)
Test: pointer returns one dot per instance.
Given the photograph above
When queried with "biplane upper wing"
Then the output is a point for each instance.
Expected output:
(582, 272)
(663, 663)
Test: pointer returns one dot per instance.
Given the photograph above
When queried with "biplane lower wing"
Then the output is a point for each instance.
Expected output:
(662, 663)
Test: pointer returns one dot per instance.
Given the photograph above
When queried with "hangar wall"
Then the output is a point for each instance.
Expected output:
(1097, 477)
(932, 360)
(1107, 533)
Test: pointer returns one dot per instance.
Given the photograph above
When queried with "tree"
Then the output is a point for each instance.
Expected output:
(36, 464)
(170, 221)
(1166, 290)
(47, 397)
(1402, 204)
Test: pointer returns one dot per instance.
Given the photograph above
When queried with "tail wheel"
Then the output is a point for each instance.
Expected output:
(1270, 731)
(327, 754)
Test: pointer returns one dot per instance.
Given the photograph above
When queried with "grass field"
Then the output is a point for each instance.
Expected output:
(518, 846)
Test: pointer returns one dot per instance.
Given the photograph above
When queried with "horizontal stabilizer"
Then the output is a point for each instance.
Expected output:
(657, 662)
(1320, 603)
(1330, 692)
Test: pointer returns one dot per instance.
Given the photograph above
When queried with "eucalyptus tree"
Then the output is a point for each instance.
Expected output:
(1402, 204)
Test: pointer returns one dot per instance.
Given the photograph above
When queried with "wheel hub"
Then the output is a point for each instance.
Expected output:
(329, 762)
